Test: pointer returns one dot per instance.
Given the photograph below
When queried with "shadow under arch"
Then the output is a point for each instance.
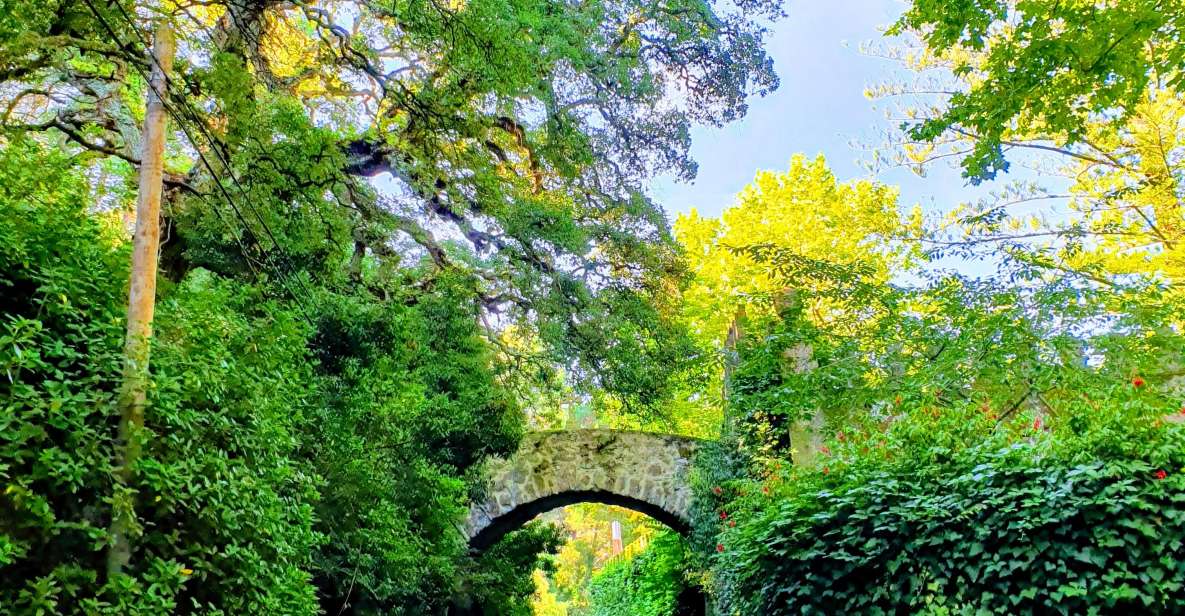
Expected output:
(644, 472)
(691, 600)
(520, 515)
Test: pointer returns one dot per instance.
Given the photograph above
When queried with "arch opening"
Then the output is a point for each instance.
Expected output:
(644, 472)
(515, 518)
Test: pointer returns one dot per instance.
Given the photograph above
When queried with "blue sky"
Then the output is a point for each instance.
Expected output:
(819, 108)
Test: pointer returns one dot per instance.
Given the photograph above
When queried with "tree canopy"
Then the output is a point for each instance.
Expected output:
(514, 140)
(386, 226)
(1052, 66)
(397, 235)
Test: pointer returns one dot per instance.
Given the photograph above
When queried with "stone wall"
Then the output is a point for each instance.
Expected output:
(641, 471)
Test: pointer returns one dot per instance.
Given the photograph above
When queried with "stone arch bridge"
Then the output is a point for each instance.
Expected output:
(641, 471)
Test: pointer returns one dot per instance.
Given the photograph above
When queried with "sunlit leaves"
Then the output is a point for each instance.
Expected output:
(1049, 64)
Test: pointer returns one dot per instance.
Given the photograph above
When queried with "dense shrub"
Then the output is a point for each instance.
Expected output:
(1007, 531)
(224, 506)
(648, 584)
(298, 459)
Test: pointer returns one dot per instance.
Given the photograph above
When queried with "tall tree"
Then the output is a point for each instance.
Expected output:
(830, 230)
(514, 139)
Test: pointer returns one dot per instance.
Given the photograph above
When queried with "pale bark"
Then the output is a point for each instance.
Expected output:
(141, 304)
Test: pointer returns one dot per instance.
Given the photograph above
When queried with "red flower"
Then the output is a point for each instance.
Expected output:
(1037, 425)
(723, 515)
(1182, 411)
(732, 523)
(765, 490)
(826, 470)
(717, 490)
(719, 547)
(1137, 381)
(825, 450)
(1160, 474)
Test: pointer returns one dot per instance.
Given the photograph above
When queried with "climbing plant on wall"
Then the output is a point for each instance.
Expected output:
(1029, 421)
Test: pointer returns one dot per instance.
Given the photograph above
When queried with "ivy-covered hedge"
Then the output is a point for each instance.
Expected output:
(1008, 532)
(1000, 445)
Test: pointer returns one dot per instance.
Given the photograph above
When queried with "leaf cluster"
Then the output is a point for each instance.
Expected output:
(1044, 63)
(1013, 531)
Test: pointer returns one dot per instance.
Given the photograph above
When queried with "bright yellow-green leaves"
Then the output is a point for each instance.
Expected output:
(1130, 197)
(805, 210)
(1087, 96)
(1050, 64)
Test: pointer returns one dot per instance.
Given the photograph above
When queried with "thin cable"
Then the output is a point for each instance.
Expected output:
(223, 157)
(283, 278)
(165, 100)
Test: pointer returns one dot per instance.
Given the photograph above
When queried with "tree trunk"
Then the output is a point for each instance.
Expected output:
(141, 304)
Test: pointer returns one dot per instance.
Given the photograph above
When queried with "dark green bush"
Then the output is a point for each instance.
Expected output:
(224, 504)
(297, 461)
(1007, 532)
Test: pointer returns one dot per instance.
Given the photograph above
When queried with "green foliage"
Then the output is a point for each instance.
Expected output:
(1020, 342)
(405, 401)
(990, 445)
(500, 582)
(60, 349)
(635, 352)
(298, 458)
(408, 408)
(231, 392)
(516, 140)
(845, 234)
(1012, 531)
(225, 517)
(1048, 64)
(648, 584)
